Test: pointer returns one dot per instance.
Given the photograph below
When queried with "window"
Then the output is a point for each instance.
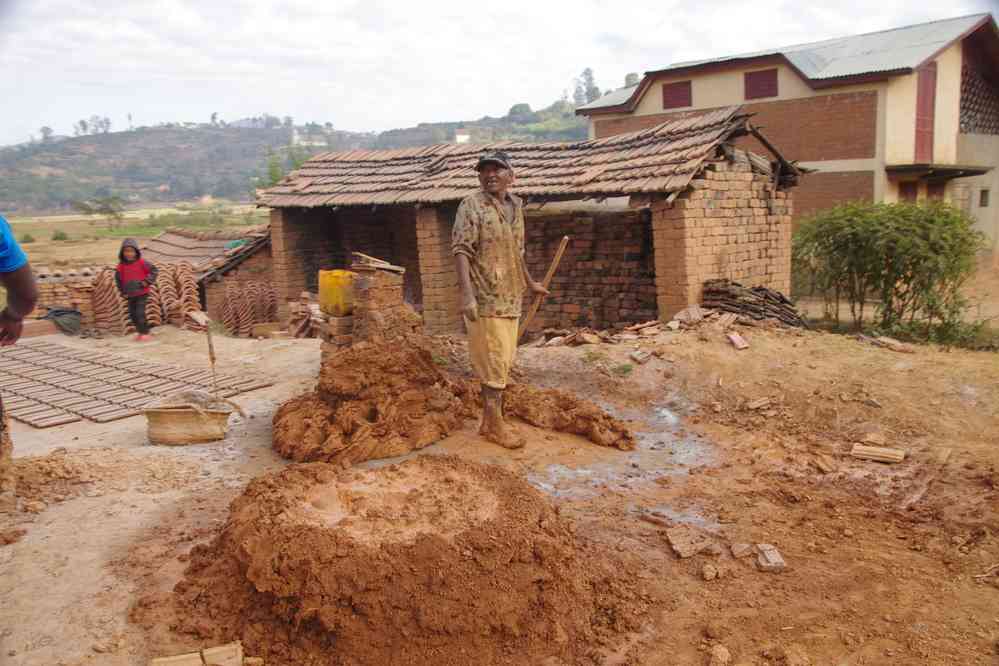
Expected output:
(761, 84)
(936, 191)
(983, 199)
(908, 191)
(677, 95)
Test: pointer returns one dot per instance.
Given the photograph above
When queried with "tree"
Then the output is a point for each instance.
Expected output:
(288, 122)
(110, 207)
(590, 85)
(631, 79)
(130, 122)
(215, 118)
(579, 94)
(46, 133)
(328, 126)
(274, 170)
(80, 128)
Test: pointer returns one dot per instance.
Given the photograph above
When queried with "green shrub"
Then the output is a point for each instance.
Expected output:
(59, 235)
(906, 261)
(27, 238)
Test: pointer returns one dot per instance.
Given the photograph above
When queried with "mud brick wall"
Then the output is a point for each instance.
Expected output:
(606, 278)
(729, 224)
(825, 189)
(258, 268)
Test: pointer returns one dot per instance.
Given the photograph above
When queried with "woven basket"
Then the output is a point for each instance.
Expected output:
(176, 426)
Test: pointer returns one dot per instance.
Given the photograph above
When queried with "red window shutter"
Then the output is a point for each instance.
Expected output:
(760, 84)
(677, 95)
(926, 99)
(908, 191)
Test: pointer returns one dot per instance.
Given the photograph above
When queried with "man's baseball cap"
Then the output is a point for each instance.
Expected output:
(494, 157)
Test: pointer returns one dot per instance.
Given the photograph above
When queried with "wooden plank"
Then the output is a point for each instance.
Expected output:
(877, 453)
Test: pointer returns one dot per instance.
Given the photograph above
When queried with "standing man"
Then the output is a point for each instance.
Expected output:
(22, 294)
(488, 245)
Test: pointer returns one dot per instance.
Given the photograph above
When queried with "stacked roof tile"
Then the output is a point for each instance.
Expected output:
(661, 159)
(204, 250)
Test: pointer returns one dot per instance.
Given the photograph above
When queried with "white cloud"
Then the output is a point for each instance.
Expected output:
(372, 64)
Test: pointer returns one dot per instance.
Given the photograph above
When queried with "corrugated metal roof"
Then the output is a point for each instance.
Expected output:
(883, 51)
(660, 159)
(619, 96)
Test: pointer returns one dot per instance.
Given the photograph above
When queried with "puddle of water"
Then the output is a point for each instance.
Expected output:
(663, 448)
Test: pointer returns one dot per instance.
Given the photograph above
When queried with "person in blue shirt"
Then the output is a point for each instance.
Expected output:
(22, 294)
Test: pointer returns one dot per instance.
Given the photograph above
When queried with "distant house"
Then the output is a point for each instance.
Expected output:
(462, 136)
(904, 114)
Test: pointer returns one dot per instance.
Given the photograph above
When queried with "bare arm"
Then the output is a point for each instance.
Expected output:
(469, 306)
(22, 295)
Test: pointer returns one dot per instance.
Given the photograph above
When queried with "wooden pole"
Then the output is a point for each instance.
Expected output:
(545, 283)
(211, 359)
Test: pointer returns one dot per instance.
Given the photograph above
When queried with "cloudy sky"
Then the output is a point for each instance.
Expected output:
(373, 64)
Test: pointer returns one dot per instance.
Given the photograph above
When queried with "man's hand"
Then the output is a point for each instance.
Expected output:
(10, 328)
(539, 289)
(469, 306)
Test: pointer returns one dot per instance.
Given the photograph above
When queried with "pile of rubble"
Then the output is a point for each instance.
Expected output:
(726, 304)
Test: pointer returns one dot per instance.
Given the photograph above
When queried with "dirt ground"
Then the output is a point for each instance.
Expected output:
(886, 564)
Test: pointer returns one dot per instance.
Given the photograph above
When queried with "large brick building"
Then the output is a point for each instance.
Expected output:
(904, 114)
(668, 208)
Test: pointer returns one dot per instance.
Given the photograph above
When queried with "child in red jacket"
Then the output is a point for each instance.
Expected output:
(133, 276)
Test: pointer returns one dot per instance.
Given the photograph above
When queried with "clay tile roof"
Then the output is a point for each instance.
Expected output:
(660, 159)
(204, 250)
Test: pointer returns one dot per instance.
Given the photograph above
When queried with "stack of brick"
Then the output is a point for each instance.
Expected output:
(380, 310)
(605, 278)
(65, 288)
(731, 223)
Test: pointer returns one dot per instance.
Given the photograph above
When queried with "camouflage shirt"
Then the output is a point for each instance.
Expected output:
(494, 246)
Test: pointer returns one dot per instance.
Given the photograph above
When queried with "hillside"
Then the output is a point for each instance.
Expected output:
(144, 165)
(182, 162)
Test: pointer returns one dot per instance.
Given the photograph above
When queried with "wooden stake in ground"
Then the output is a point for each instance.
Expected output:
(545, 283)
(203, 319)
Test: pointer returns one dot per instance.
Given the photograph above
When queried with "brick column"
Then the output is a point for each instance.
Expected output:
(437, 274)
(674, 254)
(288, 268)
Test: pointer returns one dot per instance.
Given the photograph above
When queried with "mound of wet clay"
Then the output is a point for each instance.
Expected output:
(372, 401)
(432, 561)
(559, 410)
(385, 400)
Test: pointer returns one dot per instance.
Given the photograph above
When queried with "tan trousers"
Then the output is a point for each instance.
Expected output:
(492, 345)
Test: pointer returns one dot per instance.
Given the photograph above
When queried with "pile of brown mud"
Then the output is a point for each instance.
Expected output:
(385, 400)
(433, 561)
(372, 401)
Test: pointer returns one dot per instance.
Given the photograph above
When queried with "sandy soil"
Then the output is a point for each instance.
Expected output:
(885, 563)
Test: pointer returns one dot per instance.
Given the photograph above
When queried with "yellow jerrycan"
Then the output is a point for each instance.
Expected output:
(336, 292)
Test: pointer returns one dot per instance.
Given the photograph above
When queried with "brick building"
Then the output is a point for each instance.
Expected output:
(668, 208)
(904, 114)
